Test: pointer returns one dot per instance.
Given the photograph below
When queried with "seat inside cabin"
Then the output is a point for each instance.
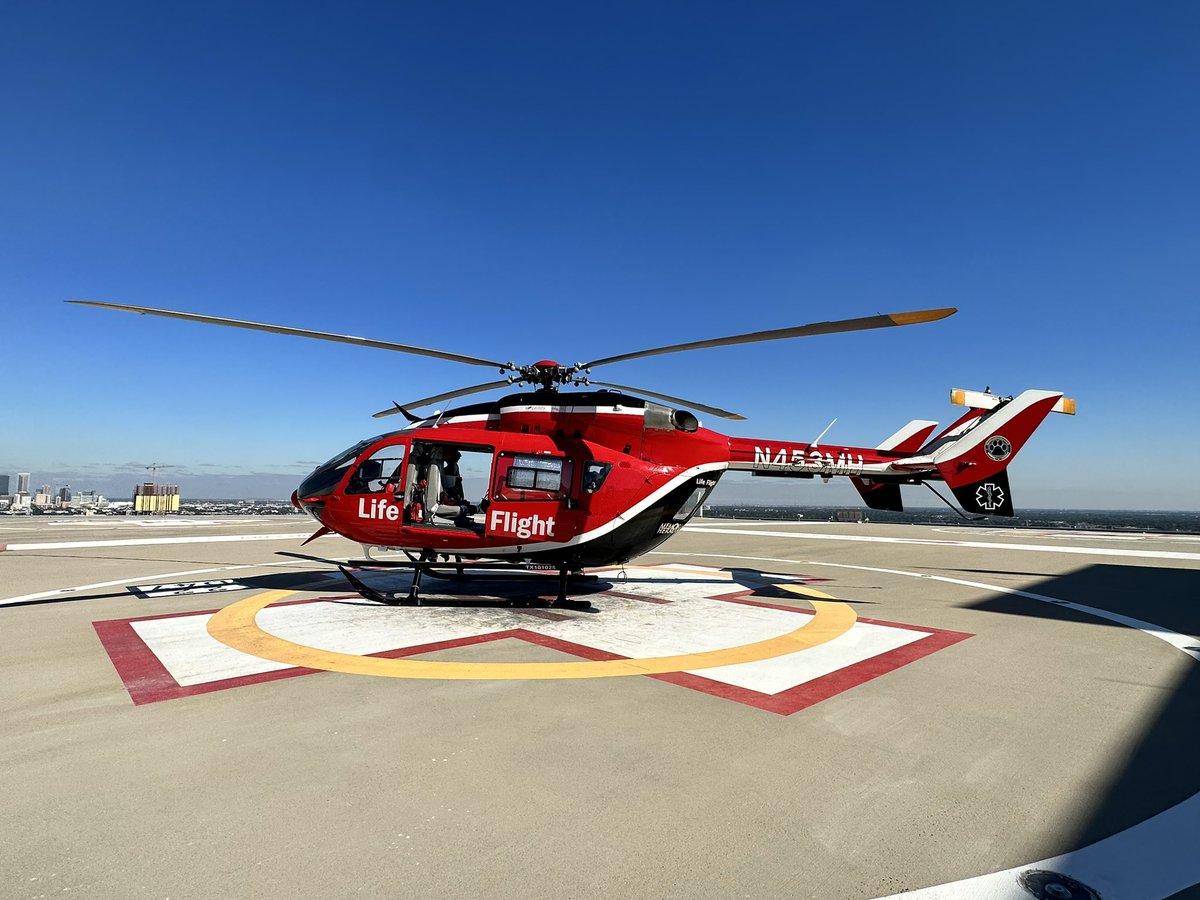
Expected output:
(444, 514)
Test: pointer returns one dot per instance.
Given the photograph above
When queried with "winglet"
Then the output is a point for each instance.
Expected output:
(924, 315)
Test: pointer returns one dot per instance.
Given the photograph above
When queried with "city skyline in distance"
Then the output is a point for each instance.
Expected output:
(118, 481)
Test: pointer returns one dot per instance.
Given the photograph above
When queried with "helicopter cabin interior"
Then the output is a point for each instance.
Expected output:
(451, 485)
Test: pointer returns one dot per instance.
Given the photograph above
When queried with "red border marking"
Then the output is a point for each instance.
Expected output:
(812, 692)
(148, 681)
(145, 677)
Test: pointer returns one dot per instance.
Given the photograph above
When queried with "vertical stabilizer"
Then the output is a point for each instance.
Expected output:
(995, 440)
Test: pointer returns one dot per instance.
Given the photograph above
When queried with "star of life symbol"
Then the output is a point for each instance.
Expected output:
(998, 448)
(989, 496)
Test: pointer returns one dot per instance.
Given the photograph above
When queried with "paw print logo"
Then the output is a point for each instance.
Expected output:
(998, 448)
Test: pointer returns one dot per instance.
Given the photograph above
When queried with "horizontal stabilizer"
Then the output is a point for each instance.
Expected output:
(988, 400)
(910, 438)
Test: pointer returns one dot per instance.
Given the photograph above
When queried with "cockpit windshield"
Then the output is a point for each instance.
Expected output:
(326, 477)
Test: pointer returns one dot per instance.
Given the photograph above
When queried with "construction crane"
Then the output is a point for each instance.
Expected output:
(153, 470)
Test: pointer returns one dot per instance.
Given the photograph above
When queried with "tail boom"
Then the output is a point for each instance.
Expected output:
(972, 455)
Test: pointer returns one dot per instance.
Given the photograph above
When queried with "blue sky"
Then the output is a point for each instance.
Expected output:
(573, 181)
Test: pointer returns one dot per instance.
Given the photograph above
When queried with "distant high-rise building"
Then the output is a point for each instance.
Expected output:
(64, 494)
(22, 482)
(4, 482)
(45, 489)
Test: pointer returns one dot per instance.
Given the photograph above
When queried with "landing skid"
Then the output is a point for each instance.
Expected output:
(500, 570)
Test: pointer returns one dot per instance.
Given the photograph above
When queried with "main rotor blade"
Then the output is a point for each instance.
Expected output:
(692, 404)
(863, 324)
(449, 395)
(299, 332)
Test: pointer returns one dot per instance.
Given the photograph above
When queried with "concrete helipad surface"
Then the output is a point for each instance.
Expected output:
(759, 709)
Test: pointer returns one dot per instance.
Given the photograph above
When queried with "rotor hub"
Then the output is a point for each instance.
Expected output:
(547, 374)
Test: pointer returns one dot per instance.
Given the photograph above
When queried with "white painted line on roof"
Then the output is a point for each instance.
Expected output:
(699, 522)
(929, 542)
(1183, 642)
(1072, 535)
(124, 523)
(42, 595)
(145, 542)
(1154, 858)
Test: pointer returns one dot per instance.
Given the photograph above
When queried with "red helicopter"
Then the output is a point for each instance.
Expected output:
(598, 477)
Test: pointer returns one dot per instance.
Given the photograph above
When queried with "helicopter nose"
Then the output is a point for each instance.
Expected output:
(314, 506)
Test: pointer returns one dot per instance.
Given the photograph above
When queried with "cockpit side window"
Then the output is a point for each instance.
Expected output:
(594, 474)
(376, 472)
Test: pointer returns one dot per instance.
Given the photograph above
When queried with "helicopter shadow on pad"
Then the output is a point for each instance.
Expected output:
(482, 590)
(1153, 767)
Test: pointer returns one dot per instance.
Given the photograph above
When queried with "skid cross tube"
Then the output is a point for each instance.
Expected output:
(505, 571)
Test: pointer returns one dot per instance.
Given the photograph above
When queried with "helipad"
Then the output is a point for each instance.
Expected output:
(706, 628)
(761, 709)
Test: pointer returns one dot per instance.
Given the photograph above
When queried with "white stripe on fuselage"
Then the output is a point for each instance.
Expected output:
(452, 420)
(569, 408)
(488, 417)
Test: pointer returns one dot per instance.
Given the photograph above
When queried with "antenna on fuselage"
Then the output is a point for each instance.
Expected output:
(823, 433)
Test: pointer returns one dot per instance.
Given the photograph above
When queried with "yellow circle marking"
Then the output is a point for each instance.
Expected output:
(236, 627)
